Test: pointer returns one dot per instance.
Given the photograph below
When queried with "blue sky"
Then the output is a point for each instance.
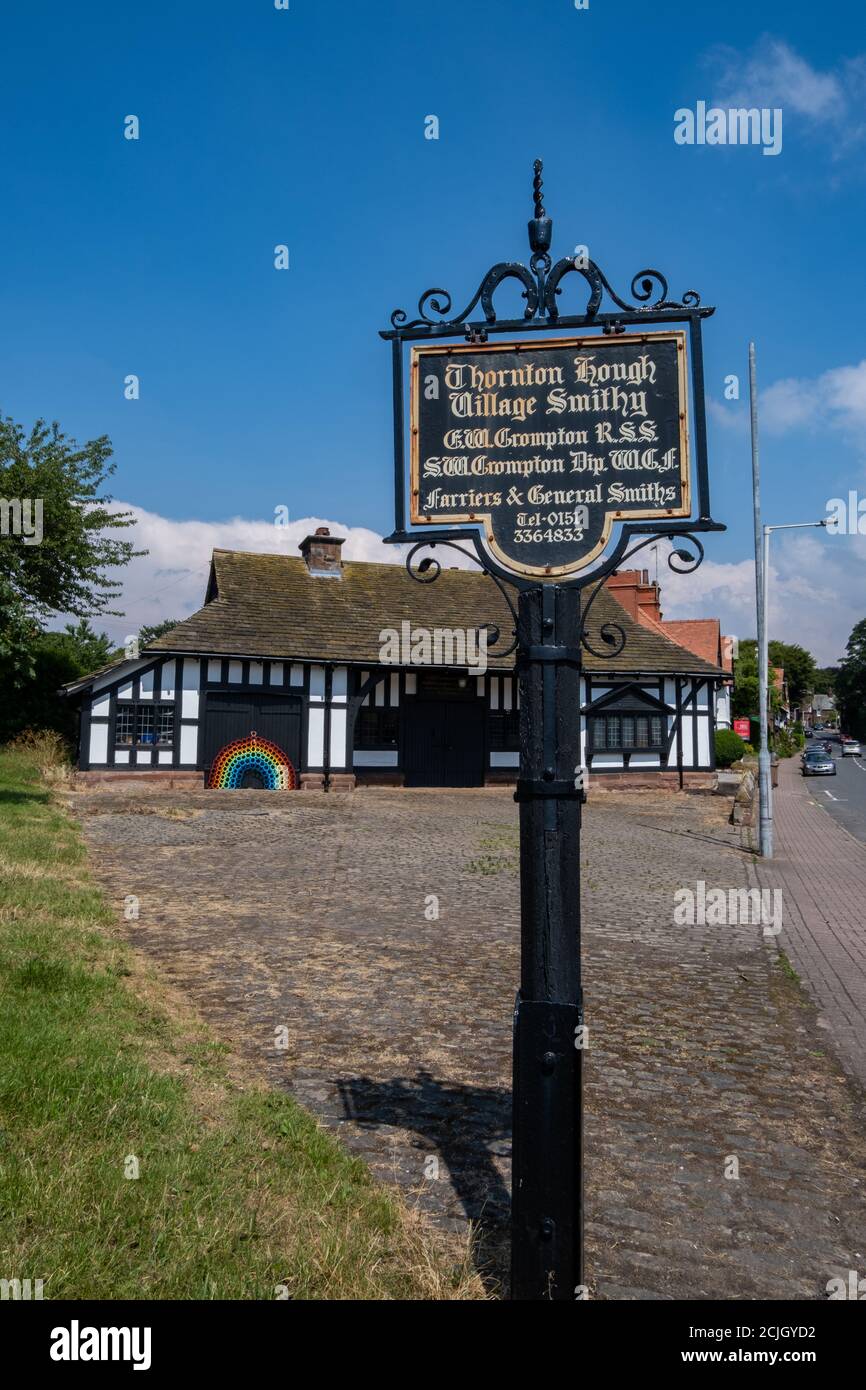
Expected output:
(261, 126)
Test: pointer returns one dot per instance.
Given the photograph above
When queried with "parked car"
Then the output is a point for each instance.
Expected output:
(818, 764)
(851, 745)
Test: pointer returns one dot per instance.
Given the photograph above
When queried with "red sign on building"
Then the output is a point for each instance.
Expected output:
(743, 728)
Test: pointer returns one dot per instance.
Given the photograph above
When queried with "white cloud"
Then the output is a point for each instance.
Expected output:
(817, 585)
(836, 398)
(846, 395)
(829, 102)
(775, 75)
(730, 415)
(788, 404)
(170, 581)
(817, 592)
(809, 406)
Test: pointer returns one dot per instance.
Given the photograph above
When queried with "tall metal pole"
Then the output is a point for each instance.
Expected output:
(765, 566)
(547, 1167)
(762, 547)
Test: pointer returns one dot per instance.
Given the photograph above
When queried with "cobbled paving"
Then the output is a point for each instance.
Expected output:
(306, 912)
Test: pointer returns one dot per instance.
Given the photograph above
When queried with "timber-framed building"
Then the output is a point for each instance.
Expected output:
(287, 652)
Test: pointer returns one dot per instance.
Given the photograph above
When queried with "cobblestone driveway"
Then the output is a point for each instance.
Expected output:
(307, 912)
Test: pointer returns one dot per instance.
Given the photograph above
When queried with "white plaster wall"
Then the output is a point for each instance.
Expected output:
(338, 738)
(188, 743)
(98, 743)
(316, 738)
(189, 695)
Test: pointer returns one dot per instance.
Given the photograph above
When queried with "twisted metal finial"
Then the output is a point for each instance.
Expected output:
(536, 189)
(540, 233)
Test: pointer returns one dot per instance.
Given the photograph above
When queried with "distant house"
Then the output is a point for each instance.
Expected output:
(288, 651)
(819, 709)
(780, 685)
(702, 636)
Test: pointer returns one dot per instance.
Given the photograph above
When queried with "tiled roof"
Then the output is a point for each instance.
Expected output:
(271, 606)
(82, 682)
(699, 635)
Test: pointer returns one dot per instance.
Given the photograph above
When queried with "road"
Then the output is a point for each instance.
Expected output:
(844, 795)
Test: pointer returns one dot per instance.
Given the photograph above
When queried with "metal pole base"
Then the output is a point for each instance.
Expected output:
(547, 1197)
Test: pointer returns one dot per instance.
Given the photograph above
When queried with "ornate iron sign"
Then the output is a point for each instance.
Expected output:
(621, 412)
(532, 450)
(548, 443)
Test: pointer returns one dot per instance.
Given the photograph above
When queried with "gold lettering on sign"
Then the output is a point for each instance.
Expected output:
(504, 428)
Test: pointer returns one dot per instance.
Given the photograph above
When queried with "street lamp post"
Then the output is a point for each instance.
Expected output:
(766, 833)
(762, 588)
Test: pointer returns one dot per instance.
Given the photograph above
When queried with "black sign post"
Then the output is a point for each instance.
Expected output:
(547, 1158)
(531, 451)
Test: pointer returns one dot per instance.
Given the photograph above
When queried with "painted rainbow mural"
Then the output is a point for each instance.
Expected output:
(252, 754)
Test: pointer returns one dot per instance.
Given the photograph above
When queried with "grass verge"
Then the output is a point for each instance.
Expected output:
(239, 1193)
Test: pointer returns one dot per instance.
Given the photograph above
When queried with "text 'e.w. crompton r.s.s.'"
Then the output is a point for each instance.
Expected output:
(548, 443)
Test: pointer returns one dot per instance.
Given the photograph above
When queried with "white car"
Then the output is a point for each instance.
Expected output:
(850, 745)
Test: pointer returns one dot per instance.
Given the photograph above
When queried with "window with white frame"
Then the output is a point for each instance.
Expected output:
(144, 724)
(627, 732)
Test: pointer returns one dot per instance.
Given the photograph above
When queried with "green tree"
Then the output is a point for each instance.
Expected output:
(825, 680)
(746, 698)
(86, 649)
(62, 566)
(851, 683)
(150, 634)
(56, 658)
(798, 665)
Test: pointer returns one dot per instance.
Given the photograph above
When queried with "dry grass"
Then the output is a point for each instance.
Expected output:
(48, 751)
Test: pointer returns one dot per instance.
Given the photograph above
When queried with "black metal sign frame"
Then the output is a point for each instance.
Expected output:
(542, 288)
(561, 349)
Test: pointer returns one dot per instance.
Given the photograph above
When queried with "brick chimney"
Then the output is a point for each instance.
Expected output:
(321, 554)
(639, 597)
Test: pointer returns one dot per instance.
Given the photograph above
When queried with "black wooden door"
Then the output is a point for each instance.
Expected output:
(230, 715)
(443, 743)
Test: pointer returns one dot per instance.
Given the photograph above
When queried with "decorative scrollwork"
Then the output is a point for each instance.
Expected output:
(680, 560)
(644, 285)
(541, 285)
(689, 563)
(429, 570)
(507, 270)
(615, 637)
(610, 632)
(440, 300)
(441, 307)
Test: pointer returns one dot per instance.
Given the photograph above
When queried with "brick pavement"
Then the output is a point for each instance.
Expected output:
(307, 912)
(821, 870)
